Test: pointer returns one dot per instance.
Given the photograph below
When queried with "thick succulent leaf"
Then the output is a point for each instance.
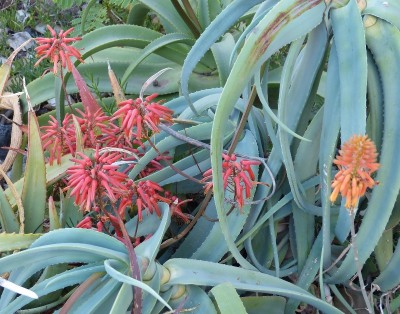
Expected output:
(300, 89)
(384, 249)
(221, 51)
(96, 297)
(388, 10)
(195, 299)
(351, 50)
(375, 103)
(179, 104)
(329, 135)
(262, 10)
(34, 187)
(154, 46)
(227, 299)
(217, 28)
(125, 35)
(149, 248)
(383, 39)
(264, 304)
(208, 11)
(123, 300)
(194, 272)
(170, 18)
(137, 14)
(303, 17)
(110, 268)
(305, 165)
(14, 241)
(8, 220)
(65, 279)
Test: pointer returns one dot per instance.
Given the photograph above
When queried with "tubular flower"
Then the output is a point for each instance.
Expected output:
(94, 177)
(58, 140)
(238, 177)
(57, 49)
(176, 207)
(93, 126)
(147, 194)
(85, 223)
(143, 114)
(356, 162)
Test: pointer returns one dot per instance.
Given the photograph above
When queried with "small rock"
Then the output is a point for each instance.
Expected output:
(41, 28)
(18, 39)
(21, 16)
(2, 60)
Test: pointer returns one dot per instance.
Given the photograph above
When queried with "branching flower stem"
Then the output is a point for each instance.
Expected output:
(137, 304)
(172, 165)
(356, 260)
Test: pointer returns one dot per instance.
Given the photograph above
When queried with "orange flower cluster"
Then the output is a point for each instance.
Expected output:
(356, 162)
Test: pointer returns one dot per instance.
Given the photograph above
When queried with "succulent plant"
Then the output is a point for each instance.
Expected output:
(277, 226)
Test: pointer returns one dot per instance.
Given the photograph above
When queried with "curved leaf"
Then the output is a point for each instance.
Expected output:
(193, 272)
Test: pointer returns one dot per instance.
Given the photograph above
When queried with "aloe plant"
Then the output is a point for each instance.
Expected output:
(266, 242)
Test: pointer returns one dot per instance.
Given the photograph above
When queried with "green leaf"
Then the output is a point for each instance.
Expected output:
(152, 47)
(217, 28)
(34, 187)
(227, 299)
(384, 249)
(15, 241)
(123, 299)
(8, 220)
(170, 18)
(264, 304)
(194, 272)
(329, 135)
(388, 10)
(222, 51)
(149, 248)
(110, 268)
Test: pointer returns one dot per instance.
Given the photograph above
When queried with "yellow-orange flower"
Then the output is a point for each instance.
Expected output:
(356, 162)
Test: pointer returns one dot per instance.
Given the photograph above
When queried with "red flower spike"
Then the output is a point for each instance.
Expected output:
(58, 140)
(57, 49)
(147, 195)
(95, 176)
(93, 126)
(85, 223)
(143, 115)
(237, 176)
(176, 207)
(356, 162)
